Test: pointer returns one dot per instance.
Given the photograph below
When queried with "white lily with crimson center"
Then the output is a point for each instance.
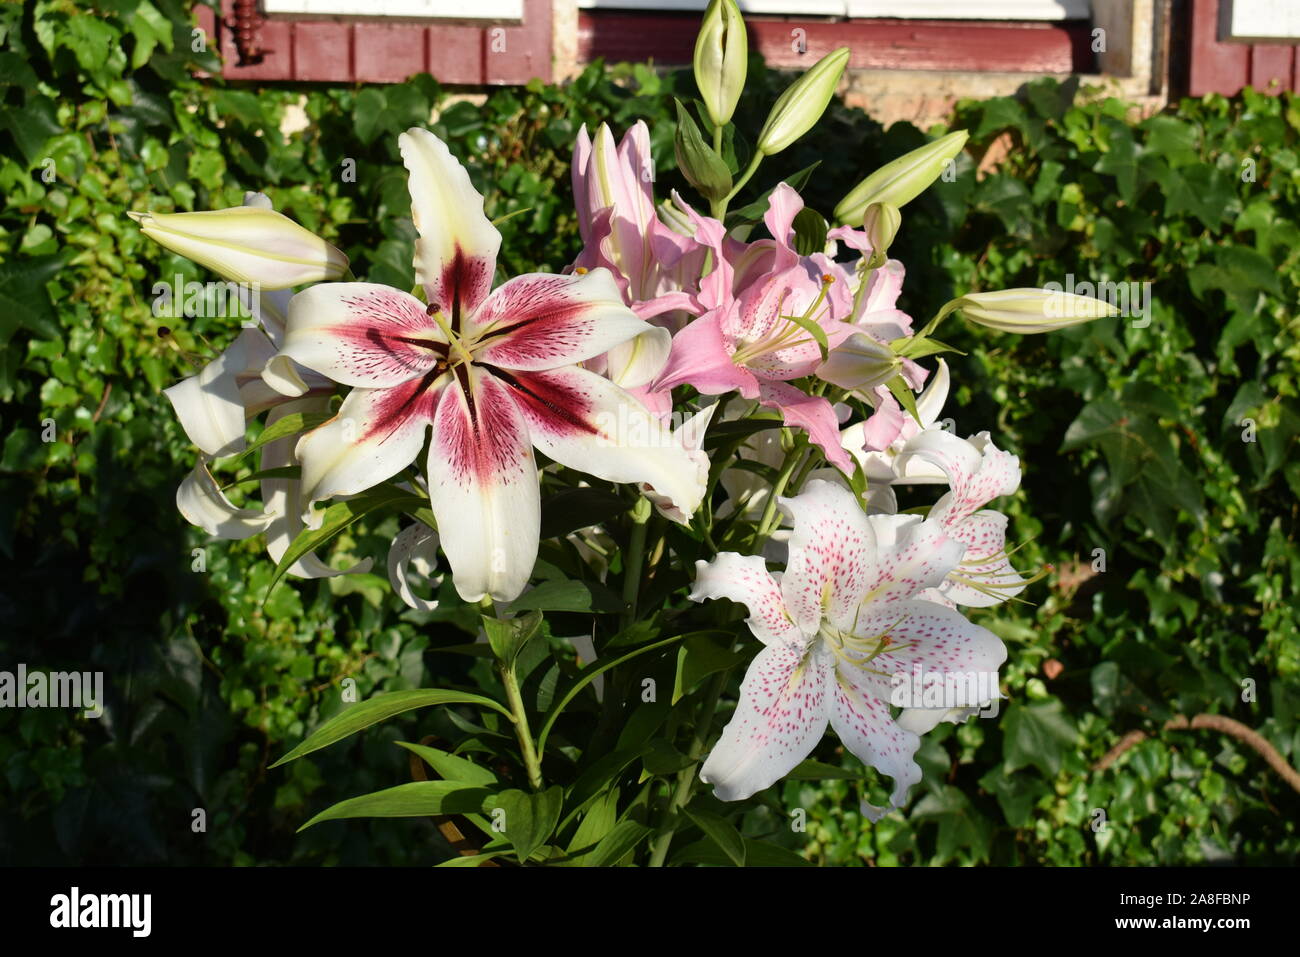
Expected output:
(495, 373)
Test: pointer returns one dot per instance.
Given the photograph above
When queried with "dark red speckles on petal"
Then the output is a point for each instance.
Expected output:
(479, 433)
(393, 408)
(551, 403)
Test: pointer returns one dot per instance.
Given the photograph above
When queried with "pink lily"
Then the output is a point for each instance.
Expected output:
(494, 372)
(742, 342)
(838, 625)
(657, 269)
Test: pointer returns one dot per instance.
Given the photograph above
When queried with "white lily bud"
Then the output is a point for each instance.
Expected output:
(803, 103)
(1030, 310)
(901, 181)
(860, 363)
(720, 52)
(250, 244)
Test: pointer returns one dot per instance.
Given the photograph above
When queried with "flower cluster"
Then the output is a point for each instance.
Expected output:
(672, 318)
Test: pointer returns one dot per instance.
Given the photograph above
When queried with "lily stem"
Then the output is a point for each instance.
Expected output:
(633, 560)
(767, 524)
(686, 777)
(522, 731)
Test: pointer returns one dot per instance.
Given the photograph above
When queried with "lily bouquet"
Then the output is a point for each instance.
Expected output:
(707, 417)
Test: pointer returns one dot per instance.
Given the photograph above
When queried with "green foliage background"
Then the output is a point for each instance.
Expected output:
(1132, 440)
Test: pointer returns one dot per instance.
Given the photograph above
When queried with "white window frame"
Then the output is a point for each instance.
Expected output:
(401, 9)
(1047, 10)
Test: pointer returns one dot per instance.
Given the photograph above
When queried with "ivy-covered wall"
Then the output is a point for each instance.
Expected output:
(1161, 475)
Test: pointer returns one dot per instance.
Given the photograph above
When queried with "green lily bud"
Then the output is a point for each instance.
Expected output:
(901, 181)
(1029, 310)
(720, 53)
(803, 103)
(699, 162)
(881, 223)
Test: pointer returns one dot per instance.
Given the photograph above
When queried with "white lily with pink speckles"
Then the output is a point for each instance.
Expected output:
(977, 472)
(843, 620)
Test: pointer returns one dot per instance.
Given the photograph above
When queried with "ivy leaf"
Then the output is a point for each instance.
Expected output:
(1037, 735)
(24, 303)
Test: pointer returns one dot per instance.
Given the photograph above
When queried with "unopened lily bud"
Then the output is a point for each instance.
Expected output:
(1030, 310)
(720, 54)
(250, 244)
(803, 103)
(900, 182)
(860, 363)
(881, 223)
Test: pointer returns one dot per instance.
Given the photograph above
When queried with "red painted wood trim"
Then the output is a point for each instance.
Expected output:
(981, 46)
(360, 50)
(1224, 66)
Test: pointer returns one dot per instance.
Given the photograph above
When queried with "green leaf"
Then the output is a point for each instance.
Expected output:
(507, 636)
(363, 714)
(810, 229)
(338, 517)
(567, 595)
(596, 823)
(23, 299)
(472, 860)
(813, 329)
(903, 393)
(1038, 735)
(451, 767)
(291, 424)
(811, 770)
(617, 844)
(577, 508)
(722, 833)
(757, 854)
(700, 657)
(530, 817)
(414, 799)
(756, 210)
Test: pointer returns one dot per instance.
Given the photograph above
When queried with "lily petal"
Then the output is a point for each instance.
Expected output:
(202, 503)
(780, 717)
(585, 422)
(830, 554)
(540, 321)
(376, 434)
(863, 723)
(456, 254)
(483, 488)
(814, 414)
(283, 497)
(209, 405)
(362, 334)
(415, 548)
(912, 554)
(745, 579)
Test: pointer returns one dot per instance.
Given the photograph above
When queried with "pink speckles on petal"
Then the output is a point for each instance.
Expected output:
(830, 555)
(541, 322)
(779, 719)
(746, 580)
